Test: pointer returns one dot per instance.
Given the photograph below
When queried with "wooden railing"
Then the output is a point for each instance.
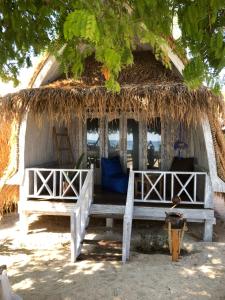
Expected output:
(54, 184)
(128, 218)
(162, 186)
(80, 216)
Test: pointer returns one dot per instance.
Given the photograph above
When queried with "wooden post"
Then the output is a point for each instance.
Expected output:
(109, 222)
(176, 227)
(175, 236)
(208, 230)
(92, 184)
(23, 216)
(208, 201)
(73, 237)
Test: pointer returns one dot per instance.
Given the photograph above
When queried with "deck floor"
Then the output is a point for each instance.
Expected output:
(105, 197)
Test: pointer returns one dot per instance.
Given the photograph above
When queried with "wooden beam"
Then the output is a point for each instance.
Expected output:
(48, 207)
(158, 213)
(104, 210)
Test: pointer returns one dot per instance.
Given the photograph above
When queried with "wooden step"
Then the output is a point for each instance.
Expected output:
(48, 207)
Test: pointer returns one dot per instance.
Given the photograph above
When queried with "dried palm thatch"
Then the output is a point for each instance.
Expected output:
(148, 90)
(8, 163)
(219, 146)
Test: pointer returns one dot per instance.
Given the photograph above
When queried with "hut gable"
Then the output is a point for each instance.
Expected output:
(148, 90)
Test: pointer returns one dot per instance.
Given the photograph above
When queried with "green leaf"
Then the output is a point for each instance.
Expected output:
(83, 24)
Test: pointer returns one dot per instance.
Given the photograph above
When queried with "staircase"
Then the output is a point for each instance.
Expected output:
(80, 216)
(80, 220)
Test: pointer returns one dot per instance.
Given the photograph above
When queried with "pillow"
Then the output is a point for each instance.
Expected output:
(182, 164)
(111, 166)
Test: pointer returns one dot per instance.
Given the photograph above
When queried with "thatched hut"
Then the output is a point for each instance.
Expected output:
(153, 120)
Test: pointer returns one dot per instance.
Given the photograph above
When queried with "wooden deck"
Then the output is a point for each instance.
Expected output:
(109, 204)
(46, 198)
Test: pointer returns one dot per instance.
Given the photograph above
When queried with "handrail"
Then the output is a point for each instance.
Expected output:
(80, 216)
(56, 169)
(160, 186)
(128, 218)
(170, 172)
(49, 183)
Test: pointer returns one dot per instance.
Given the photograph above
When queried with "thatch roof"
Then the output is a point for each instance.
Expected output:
(9, 195)
(148, 90)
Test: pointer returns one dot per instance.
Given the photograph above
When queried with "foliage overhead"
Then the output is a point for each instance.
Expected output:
(111, 29)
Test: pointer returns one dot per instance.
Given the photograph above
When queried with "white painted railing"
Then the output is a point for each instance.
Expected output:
(80, 216)
(128, 218)
(54, 183)
(162, 186)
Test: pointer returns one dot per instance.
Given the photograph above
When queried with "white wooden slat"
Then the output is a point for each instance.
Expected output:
(60, 183)
(195, 187)
(35, 182)
(54, 183)
(164, 187)
(172, 185)
(80, 183)
(27, 183)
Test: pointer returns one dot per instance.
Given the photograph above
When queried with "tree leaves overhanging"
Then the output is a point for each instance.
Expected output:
(111, 29)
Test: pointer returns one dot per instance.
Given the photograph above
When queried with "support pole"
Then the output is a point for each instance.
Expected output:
(109, 222)
(73, 237)
(208, 231)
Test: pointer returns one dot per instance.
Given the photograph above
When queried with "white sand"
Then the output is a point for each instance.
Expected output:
(40, 268)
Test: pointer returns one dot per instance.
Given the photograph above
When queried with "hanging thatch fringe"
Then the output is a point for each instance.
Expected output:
(8, 163)
(164, 100)
(219, 146)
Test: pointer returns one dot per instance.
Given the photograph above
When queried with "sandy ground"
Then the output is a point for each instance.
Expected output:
(39, 266)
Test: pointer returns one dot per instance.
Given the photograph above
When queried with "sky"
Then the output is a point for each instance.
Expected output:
(25, 76)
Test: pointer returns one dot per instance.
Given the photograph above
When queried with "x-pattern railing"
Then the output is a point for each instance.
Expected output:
(162, 186)
(55, 183)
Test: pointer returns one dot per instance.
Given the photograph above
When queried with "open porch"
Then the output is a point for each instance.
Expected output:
(72, 193)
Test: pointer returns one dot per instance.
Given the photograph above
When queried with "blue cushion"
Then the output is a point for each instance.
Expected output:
(117, 184)
(113, 178)
(111, 166)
